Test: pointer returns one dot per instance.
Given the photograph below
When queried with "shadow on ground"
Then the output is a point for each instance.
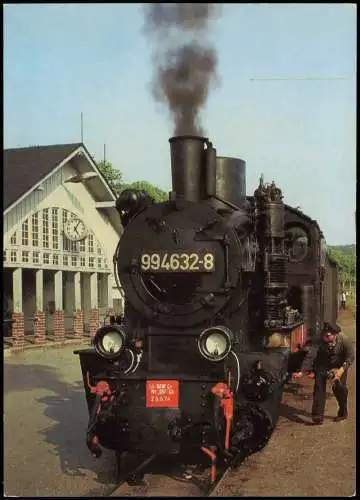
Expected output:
(66, 407)
(294, 395)
(295, 414)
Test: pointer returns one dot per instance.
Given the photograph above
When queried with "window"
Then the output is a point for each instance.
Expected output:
(323, 252)
(55, 260)
(25, 233)
(4, 256)
(91, 261)
(13, 256)
(74, 260)
(46, 228)
(91, 243)
(13, 239)
(297, 243)
(82, 246)
(64, 217)
(46, 258)
(55, 228)
(65, 260)
(36, 257)
(35, 229)
(99, 263)
(66, 244)
(82, 261)
(25, 256)
(99, 249)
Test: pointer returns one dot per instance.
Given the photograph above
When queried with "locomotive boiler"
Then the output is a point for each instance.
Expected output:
(204, 276)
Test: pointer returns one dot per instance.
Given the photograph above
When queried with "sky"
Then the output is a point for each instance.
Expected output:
(64, 59)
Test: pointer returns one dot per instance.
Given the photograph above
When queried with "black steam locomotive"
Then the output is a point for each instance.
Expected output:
(210, 279)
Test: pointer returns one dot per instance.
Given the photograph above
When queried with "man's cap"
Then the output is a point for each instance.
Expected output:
(331, 329)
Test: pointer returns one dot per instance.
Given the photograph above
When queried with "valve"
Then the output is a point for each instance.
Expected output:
(257, 385)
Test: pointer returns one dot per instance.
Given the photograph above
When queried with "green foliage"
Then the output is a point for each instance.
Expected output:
(158, 194)
(114, 178)
(345, 256)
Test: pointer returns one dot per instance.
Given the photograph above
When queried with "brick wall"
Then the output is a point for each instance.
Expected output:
(18, 332)
(58, 325)
(39, 327)
(94, 322)
(78, 323)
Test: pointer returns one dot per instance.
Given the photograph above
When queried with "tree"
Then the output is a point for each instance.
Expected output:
(114, 178)
(155, 192)
(112, 175)
(345, 256)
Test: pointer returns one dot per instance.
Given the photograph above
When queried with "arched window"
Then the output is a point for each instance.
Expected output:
(297, 243)
(40, 240)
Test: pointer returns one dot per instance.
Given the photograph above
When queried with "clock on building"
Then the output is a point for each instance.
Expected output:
(75, 229)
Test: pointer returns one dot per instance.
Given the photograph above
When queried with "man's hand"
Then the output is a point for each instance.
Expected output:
(298, 375)
(338, 374)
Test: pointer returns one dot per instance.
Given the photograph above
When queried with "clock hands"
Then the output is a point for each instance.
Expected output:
(77, 225)
(75, 229)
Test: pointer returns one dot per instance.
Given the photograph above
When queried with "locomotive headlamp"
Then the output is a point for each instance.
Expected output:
(110, 341)
(215, 343)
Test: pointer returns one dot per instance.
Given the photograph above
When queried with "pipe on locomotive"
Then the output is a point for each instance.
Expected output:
(197, 173)
(187, 166)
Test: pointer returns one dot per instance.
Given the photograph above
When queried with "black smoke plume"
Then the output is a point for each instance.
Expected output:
(184, 60)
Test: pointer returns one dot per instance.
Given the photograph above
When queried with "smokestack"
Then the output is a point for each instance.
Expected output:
(184, 60)
(188, 166)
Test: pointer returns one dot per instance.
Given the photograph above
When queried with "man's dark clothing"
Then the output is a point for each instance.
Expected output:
(339, 389)
(322, 358)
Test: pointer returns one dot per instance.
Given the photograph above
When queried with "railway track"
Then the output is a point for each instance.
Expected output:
(156, 476)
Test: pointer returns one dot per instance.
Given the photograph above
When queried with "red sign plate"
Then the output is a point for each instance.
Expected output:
(162, 394)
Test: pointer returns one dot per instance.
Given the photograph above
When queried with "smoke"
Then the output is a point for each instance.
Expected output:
(184, 70)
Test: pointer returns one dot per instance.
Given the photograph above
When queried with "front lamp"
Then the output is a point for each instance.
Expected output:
(215, 343)
(110, 341)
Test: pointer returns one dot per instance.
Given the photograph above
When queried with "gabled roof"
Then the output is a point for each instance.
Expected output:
(25, 167)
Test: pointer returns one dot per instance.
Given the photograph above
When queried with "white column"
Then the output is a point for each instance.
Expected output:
(17, 290)
(85, 280)
(110, 302)
(94, 290)
(77, 290)
(100, 290)
(39, 290)
(58, 291)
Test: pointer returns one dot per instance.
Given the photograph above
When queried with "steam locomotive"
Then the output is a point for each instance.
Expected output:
(211, 277)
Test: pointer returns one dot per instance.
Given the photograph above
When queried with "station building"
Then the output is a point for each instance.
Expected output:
(61, 230)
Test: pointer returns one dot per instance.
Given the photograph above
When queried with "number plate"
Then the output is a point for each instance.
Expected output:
(177, 262)
(162, 394)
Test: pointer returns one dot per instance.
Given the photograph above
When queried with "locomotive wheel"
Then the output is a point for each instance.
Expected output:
(252, 431)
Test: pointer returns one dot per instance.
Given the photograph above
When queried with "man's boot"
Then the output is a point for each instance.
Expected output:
(317, 419)
(341, 394)
(342, 415)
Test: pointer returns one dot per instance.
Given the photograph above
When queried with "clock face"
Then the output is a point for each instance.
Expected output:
(75, 229)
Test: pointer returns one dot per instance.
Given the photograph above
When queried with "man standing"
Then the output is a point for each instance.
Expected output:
(331, 360)
(343, 300)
